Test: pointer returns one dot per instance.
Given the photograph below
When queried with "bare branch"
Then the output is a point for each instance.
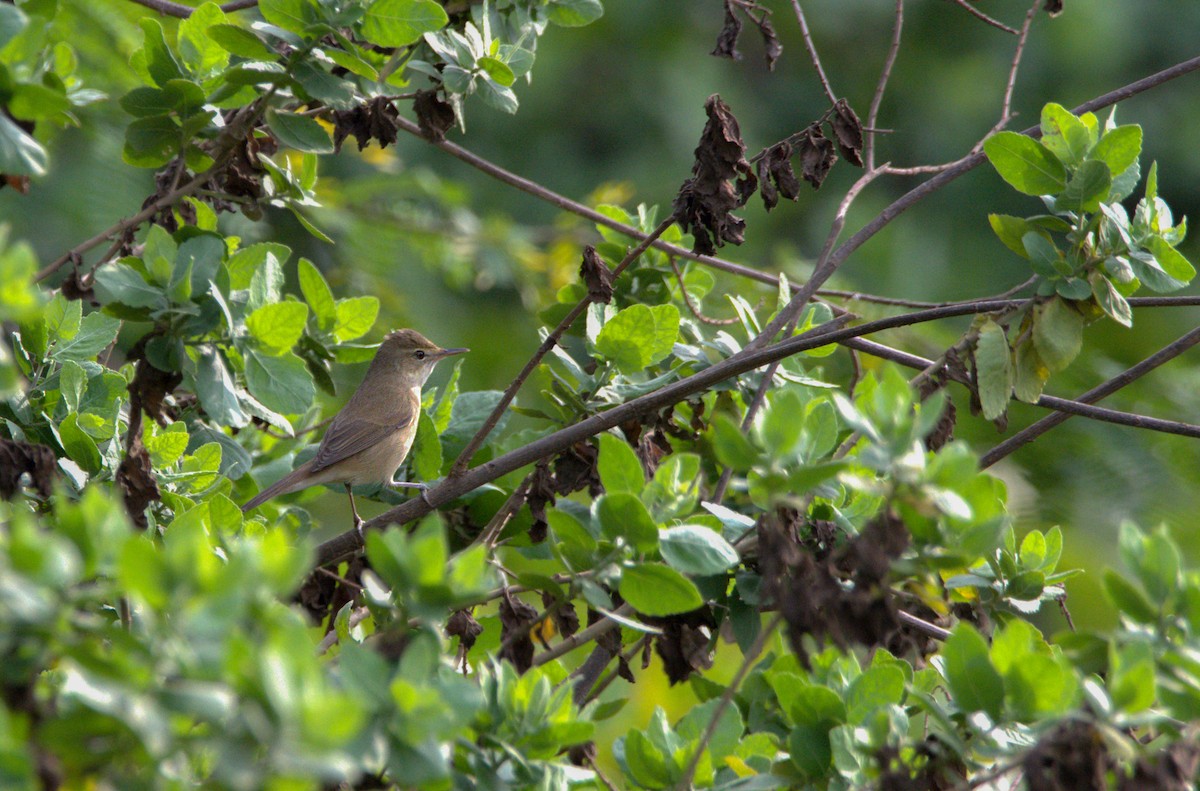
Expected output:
(884, 75)
(1006, 108)
(812, 51)
(975, 12)
(180, 11)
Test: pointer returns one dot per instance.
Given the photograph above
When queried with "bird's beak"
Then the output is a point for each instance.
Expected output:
(448, 352)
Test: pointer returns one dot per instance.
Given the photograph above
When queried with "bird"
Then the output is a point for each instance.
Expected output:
(369, 438)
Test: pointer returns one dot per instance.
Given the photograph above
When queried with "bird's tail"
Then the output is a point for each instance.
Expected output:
(293, 481)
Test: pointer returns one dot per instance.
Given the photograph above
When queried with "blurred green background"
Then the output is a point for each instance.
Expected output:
(613, 113)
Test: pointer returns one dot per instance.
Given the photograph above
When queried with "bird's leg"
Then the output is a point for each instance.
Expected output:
(409, 485)
(358, 522)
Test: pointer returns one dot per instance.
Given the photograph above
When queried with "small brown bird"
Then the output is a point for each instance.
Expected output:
(368, 440)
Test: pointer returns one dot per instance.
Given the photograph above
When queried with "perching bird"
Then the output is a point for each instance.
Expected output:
(368, 440)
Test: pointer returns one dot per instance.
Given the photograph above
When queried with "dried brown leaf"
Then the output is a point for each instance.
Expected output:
(597, 276)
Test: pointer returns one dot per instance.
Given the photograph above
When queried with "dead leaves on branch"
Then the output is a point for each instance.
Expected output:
(723, 179)
(731, 29)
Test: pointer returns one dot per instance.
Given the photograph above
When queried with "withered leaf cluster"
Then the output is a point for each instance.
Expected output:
(373, 120)
(722, 180)
(817, 153)
(732, 28)
(435, 116)
(596, 276)
(574, 469)
(1053, 7)
(686, 643)
(147, 393)
(812, 595)
(323, 595)
(566, 620)
(517, 620)
(775, 175)
(135, 479)
(462, 624)
(18, 458)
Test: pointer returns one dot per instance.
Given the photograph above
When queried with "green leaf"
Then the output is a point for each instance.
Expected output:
(1039, 686)
(497, 70)
(781, 424)
(1064, 134)
(20, 154)
(1110, 300)
(72, 384)
(1029, 373)
(639, 336)
(732, 447)
(120, 283)
(317, 294)
(299, 132)
(993, 365)
(814, 711)
(1159, 567)
(182, 96)
(623, 515)
(426, 458)
(79, 446)
(160, 61)
(96, 333)
(1119, 148)
(647, 765)
(281, 383)
(1057, 333)
(575, 13)
(266, 282)
(695, 549)
(1128, 599)
(620, 470)
(1027, 165)
(12, 22)
(293, 15)
(201, 54)
(167, 445)
(241, 42)
(879, 685)
(1171, 260)
(1087, 188)
(398, 23)
(657, 590)
(1010, 230)
(973, 680)
(32, 101)
(216, 389)
(1043, 256)
(278, 326)
(354, 317)
(151, 142)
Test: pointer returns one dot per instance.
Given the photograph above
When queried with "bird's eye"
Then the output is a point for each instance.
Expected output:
(419, 354)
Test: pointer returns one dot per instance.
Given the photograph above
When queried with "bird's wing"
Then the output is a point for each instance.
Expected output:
(347, 437)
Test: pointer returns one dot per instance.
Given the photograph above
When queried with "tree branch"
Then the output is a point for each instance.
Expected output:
(180, 11)
(747, 360)
(812, 52)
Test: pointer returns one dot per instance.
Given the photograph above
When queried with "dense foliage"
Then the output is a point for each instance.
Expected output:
(796, 536)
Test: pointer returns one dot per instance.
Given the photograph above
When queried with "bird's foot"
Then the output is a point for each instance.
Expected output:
(410, 485)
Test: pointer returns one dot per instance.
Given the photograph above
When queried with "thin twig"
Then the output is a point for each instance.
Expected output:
(884, 75)
(1010, 85)
(692, 306)
(975, 12)
(179, 11)
(510, 392)
(812, 51)
(751, 656)
(933, 630)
